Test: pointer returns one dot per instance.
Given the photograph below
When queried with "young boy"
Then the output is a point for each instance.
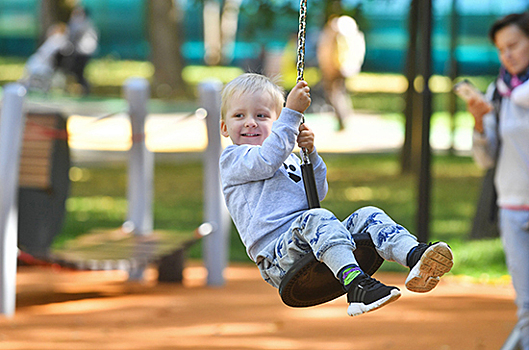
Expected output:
(264, 192)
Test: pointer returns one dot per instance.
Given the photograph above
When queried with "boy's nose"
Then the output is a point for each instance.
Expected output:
(250, 122)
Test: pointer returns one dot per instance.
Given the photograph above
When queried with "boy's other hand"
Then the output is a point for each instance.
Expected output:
(306, 138)
(299, 98)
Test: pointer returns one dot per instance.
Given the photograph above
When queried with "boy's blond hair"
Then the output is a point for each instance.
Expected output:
(252, 83)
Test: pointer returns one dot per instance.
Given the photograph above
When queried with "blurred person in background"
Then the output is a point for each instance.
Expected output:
(83, 37)
(501, 139)
(42, 65)
(341, 51)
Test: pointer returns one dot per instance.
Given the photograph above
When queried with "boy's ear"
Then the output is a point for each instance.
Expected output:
(224, 128)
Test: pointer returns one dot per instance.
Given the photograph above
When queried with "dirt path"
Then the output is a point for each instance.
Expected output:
(88, 310)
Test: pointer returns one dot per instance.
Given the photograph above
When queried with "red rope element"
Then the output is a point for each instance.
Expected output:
(136, 138)
(36, 131)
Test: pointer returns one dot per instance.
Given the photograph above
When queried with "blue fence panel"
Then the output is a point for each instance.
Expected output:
(123, 27)
(18, 27)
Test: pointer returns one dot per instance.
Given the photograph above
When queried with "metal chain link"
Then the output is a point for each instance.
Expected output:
(302, 33)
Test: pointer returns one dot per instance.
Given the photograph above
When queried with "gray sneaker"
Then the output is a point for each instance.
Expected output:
(436, 260)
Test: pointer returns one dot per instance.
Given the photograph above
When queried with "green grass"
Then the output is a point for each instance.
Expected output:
(99, 200)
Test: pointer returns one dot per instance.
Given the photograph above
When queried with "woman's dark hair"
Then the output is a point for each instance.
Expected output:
(521, 20)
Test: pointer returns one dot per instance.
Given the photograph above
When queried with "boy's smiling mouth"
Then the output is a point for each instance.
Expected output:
(250, 135)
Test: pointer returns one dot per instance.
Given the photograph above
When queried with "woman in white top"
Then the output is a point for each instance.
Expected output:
(501, 138)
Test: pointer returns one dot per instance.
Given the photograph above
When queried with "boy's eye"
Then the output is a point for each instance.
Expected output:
(261, 116)
(238, 115)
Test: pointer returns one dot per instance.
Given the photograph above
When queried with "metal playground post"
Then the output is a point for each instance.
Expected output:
(12, 123)
(141, 160)
(215, 245)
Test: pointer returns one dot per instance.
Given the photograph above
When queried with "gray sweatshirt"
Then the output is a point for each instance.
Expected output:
(512, 172)
(263, 185)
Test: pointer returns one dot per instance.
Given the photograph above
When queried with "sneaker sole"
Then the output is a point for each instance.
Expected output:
(356, 309)
(435, 262)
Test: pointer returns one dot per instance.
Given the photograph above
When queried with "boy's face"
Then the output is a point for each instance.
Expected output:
(249, 118)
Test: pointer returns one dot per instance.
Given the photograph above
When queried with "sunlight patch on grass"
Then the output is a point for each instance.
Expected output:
(107, 72)
(11, 72)
(394, 83)
(84, 208)
(311, 75)
(371, 82)
(364, 193)
(193, 75)
(358, 193)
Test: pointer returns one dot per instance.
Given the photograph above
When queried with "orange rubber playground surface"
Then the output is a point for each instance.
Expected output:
(68, 310)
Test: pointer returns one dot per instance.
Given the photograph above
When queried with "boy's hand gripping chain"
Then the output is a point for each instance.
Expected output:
(306, 166)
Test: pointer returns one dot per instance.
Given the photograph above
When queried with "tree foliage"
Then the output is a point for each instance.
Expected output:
(266, 14)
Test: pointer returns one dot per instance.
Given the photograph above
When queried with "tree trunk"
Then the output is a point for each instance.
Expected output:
(424, 171)
(453, 72)
(407, 161)
(228, 27)
(165, 36)
(212, 33)
(53, 12)
(332, 8)
(49, 15)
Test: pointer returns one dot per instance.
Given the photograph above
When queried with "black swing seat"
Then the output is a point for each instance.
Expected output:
(310, 282)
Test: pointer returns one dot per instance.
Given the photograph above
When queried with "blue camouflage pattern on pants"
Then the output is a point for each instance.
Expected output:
(317, 230)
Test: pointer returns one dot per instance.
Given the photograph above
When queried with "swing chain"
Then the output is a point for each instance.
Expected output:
(302, 33)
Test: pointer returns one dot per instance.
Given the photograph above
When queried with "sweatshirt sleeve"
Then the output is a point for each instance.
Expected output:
(244, 163)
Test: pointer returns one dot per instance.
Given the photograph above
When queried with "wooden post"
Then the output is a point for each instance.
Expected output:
(12, 122)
